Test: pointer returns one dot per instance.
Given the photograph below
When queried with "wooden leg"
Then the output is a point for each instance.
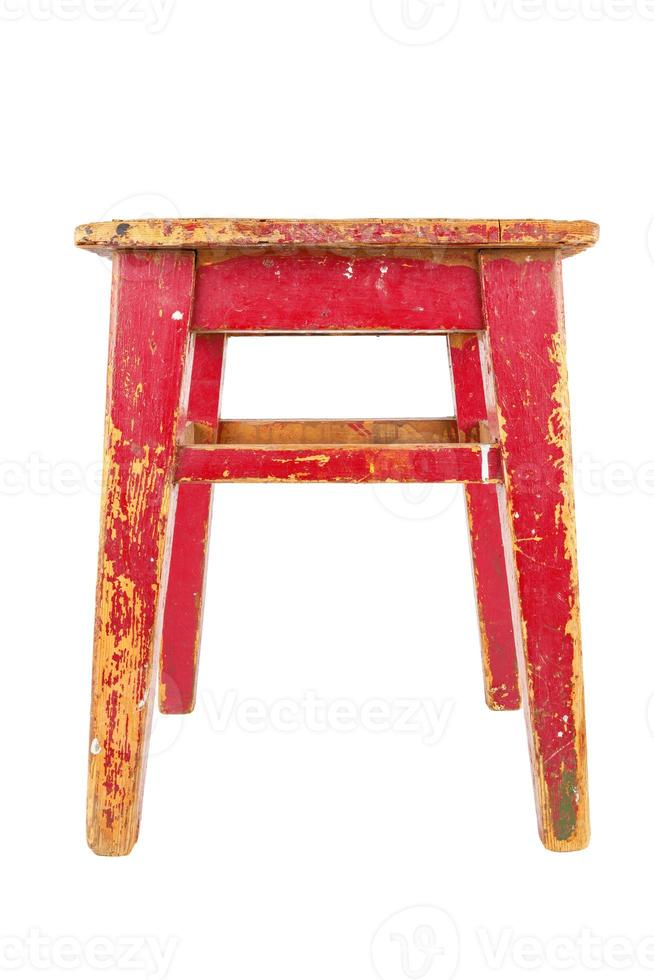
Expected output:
(182, 624)
(150, 311)
(529, 413)
(486, 546)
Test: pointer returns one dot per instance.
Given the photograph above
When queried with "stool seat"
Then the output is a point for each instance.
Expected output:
(203, 233)
(180, 288)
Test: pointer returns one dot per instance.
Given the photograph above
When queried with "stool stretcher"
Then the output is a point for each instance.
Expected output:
(439, 463)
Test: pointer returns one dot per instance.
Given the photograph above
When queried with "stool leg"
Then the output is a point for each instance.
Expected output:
(151, 301)
(529, 413)
(182, 623)
(486, 547)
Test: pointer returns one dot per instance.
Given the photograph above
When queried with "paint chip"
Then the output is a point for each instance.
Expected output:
(177, 315)
(484, 462)
(96, 748)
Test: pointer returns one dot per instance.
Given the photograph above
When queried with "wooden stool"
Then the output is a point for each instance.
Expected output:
(180, 288)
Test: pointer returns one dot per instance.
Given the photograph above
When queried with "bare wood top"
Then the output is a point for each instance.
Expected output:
(201, 233)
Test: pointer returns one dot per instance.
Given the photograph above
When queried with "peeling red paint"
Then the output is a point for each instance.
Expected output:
(519, 487)
(200, 233)
(322, 291)
(182, 624)
(147, 348)
(486, 545)
(526, 345)
(439, 463)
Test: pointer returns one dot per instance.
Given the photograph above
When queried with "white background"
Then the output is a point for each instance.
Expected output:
(282, 854)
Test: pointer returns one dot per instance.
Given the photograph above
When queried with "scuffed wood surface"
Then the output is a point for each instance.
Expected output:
(500, 668)
(199, 233)
(151, 304)
(316, 277)
(337, 431)
(184, 602)
(325, 291)
(525, 343)
(438, 463)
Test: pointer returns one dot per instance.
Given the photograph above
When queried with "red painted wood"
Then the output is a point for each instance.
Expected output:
(182, 623)
(151, 305)
(315, 291)
(206, 377)
(524, 314)
(204, 233)
(493, 600)
(532, 233)
(486, 545)
(386, 232)
(439, 463)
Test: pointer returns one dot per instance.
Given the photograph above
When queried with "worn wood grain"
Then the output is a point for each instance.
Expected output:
(199, 233)
(334, 431)
(437, 463)
(184, 600)
(151, 304)
(529, 412)
(500, 669)
(494, 287)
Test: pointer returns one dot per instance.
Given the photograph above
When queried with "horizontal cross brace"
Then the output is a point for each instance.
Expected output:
(269, 432)
(321, 292)
(353, 463)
